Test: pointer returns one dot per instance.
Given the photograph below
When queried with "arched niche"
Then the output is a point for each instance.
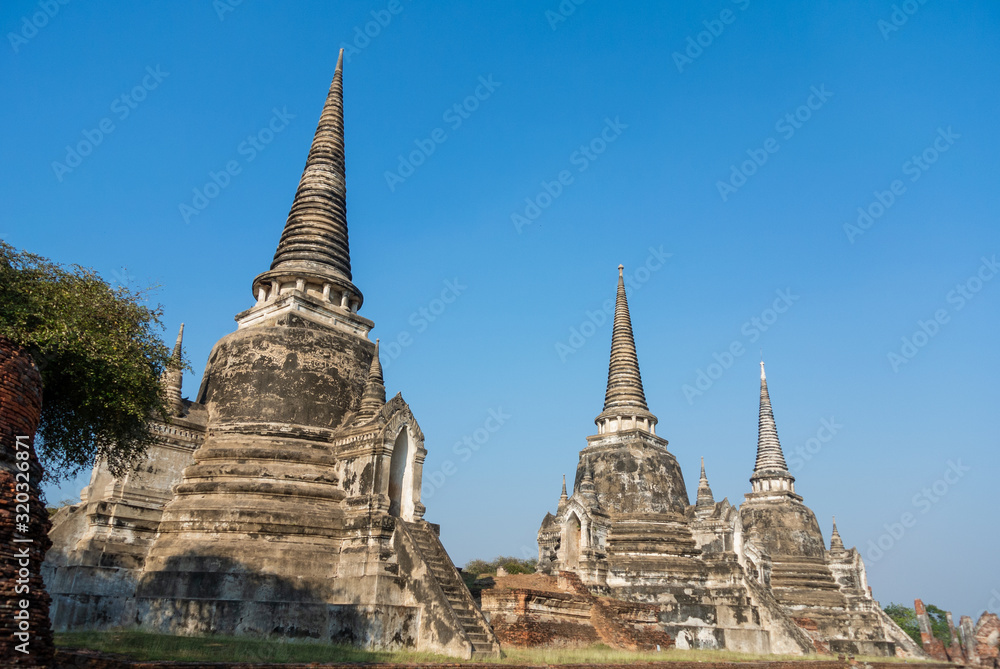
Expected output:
(401, 476)
(573, 541)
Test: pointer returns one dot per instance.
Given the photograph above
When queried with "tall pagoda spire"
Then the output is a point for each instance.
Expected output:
(314, 248)
(770, 471)
(374, 397)
(173, 376)
(624, 401)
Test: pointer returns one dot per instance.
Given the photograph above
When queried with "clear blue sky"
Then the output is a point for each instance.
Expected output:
(673, 129)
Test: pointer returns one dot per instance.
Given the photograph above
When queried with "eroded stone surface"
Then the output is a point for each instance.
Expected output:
(757, 578)
(285, 501)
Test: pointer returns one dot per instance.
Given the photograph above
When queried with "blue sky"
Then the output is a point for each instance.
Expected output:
(741, 138)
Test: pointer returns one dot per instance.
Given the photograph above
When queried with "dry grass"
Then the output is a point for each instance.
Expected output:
(161, 647)
(601, 654)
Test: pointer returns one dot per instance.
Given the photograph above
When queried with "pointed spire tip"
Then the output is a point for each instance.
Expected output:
(624, 395)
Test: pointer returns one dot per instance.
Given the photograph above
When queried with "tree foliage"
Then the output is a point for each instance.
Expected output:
(511, 564)
(906, 618)
(100, 358)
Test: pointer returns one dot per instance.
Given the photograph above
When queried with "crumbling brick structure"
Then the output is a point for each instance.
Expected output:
(971, 644)
(932, 645)
(25, 633)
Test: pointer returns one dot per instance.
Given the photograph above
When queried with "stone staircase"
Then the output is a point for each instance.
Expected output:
(470, 618)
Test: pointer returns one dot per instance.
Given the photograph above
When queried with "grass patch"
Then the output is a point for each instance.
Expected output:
(601, 654)
(163, 647)
(145, 646)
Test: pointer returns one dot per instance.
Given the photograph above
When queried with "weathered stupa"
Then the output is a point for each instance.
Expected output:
(632, 560)
(285, 500)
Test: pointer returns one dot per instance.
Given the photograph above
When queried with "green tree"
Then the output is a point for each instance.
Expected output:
(100, 357)
(511, 564)
(906, 618)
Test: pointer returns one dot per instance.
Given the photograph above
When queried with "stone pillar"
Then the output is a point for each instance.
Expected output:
(24, 603)
(955, 651)
(969, 639)
(932, 645)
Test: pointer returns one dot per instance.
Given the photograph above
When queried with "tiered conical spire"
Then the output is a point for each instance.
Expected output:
(374, 397)
(173, 376)
(624, 397)
(624, 379)
(314, 243)
(836, 543)
(316, 230)
(563, 498)
(770, 470)
(705, 501)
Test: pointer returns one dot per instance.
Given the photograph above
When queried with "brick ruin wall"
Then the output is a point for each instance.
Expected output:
(21, 562)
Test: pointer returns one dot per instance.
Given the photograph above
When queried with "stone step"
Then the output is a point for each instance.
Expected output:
(483, 652)
(455, 592)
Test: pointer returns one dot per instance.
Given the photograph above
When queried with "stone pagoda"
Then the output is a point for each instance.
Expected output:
(631, 559)
(298, 512)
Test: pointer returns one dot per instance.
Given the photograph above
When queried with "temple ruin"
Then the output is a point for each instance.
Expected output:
(755, 578)
(972, 644)
(284, 500)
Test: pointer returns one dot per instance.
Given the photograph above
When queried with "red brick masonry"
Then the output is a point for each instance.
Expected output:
(20, 408)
